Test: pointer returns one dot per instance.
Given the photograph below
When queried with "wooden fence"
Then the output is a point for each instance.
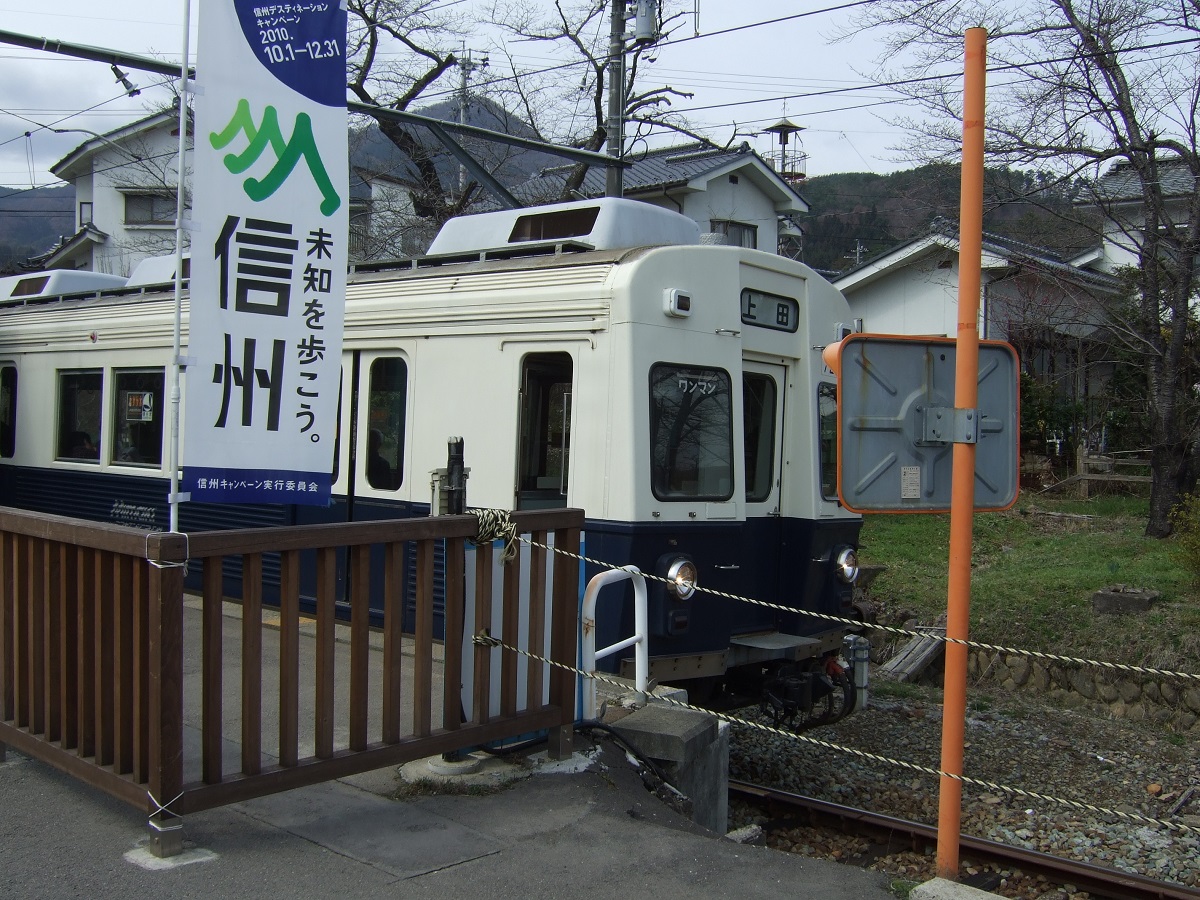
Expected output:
(94, 631)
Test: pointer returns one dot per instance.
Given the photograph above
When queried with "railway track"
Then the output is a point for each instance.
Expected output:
(891, 835)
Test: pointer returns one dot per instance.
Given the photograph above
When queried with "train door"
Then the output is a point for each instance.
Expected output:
(543, 456)
(763, 394)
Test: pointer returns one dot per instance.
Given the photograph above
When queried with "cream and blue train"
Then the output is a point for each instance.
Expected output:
(596, 355)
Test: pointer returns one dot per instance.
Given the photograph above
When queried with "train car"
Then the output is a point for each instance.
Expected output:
(595, 355)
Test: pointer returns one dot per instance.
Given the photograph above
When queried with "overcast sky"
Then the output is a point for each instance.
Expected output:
(725, 71)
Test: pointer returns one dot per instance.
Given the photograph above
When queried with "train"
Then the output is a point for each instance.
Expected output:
(602, 355)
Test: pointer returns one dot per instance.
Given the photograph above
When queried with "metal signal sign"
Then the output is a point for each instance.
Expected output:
(897, 423)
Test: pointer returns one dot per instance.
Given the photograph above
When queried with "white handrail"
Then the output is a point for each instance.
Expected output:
(588, 623)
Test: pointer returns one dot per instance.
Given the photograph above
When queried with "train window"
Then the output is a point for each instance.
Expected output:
(8, 411)
(137, 417)
(691, 433)
(387, 396)
(827, 409)
(758, 421)
(80, 404)
(545, 431)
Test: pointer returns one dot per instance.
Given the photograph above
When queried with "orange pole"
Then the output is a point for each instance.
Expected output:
(962, 486)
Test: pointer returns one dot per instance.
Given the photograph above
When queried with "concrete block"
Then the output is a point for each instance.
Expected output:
(1118, 599)
(692, 748)
(667, 733)
(941, 889)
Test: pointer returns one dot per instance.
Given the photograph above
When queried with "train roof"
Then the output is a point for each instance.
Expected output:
(36, 286)
(606, 224)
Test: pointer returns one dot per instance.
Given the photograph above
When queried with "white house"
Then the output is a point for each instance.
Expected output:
(125, 196)
(733, 192)
(1119, 196)
(1046, 307)
(913, 288)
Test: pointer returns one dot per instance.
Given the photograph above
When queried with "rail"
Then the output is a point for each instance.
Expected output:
(95, 631)
(637, 640)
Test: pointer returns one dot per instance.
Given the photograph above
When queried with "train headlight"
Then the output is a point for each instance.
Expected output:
(846, 565)
(681, 578)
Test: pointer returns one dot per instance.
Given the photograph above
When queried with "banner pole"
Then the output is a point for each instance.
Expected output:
(962, 495)
(176, 360)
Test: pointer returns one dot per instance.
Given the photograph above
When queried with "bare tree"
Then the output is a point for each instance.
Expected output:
(1078, 88)
(397, 51)
(567, 102)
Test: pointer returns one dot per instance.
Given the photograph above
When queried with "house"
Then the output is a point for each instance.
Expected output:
(125, 196)
(733, 192)
(1048, 308)
(1119, 196)
(125, 193)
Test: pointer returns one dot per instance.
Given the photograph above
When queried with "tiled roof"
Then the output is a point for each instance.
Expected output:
(1016, 252)
(1121, 182)
(655, 169)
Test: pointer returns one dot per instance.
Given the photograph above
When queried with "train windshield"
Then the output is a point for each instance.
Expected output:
(827, 409)
(691, 433)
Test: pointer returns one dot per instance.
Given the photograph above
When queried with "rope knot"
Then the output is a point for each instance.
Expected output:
(496, 525)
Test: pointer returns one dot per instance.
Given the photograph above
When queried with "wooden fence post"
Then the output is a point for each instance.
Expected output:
(564, 639)
(166, 555)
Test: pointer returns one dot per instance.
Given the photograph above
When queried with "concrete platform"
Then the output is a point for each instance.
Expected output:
(521, 828)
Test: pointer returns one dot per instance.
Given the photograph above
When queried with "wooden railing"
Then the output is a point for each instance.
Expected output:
(95, 630)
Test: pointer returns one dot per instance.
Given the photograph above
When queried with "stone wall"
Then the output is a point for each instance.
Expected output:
(1169, 702)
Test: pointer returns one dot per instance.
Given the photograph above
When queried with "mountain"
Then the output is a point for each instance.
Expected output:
(855, 215)
(31, 221)
(372, 152)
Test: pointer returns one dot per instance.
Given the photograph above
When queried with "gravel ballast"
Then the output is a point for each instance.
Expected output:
(1014, 741)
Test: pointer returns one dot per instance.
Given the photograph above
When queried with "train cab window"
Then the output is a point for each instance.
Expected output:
(137, 417)
(387, 397)
(8, 411)
(545, 412)
(759, 395)
(80, 406)
(691, 433)
(827, 409)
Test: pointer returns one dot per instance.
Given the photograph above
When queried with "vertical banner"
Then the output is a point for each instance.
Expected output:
(269, 254)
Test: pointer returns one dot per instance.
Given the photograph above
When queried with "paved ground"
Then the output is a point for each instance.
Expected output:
(560, 832)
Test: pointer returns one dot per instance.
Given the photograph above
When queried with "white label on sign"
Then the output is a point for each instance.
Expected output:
(910, 482)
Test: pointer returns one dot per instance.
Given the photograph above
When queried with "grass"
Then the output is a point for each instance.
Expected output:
(1034, 569)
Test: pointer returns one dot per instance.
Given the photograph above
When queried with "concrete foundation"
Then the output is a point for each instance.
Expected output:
(692, 749)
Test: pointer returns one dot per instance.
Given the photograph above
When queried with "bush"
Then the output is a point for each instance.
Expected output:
(1185, 518)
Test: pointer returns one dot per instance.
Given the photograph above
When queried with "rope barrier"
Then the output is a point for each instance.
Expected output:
(890, 629)
(176, 564)
(163, 807)
(485, 639)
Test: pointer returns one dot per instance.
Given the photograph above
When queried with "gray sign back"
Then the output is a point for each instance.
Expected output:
(897, 424)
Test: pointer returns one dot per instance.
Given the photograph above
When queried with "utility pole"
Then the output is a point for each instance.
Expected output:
(645, 31)
(614, 181)
(857, 253)
(466, 65)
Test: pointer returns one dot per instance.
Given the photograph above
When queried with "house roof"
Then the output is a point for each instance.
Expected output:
(1000, 254)
(67, 248)
(1121, 184)
(73, 165)
(685, 167)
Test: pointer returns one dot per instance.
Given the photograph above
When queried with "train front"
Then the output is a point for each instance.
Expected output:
(720, 481)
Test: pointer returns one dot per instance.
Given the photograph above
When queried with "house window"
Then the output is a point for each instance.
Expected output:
(85, 213)
(150, 209)
(739, 233)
